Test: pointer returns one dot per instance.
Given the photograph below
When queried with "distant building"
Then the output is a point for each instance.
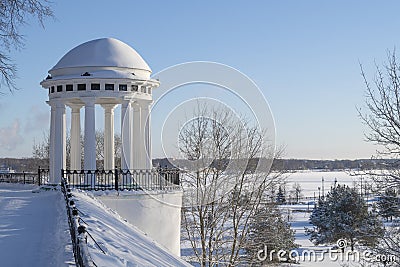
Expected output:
(6, 170)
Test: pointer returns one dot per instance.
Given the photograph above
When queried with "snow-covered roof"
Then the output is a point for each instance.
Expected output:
(100, 74)
(104, 52)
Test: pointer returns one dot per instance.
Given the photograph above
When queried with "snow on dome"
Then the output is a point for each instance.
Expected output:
(104, 52)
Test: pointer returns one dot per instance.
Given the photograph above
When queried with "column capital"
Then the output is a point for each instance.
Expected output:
(89, 101)
(126, 102)
(144, 103)
(75, 106)
(108, 107)
(59, 103)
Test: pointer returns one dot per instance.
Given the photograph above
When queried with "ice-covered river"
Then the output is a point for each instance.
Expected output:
(310, 181)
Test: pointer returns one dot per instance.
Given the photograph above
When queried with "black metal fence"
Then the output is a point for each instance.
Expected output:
(77, 230)
(157, 179)
(43, 176)
(19, 177)
(40, 177)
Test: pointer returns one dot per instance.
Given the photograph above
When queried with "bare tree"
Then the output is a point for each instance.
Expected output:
(382, 117)
(297, 191)
(226, 188)
(383, 103)
(13, 14)
(41, 150)
(100, 148)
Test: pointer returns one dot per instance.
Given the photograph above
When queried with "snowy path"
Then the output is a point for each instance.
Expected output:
(33, 228)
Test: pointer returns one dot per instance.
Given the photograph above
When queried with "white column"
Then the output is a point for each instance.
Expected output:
(59, 161)
(64, 140)
(126, 135)
(146, 124)
(52, 140)
(75, 136)
(109, 162)
(137, 138)
(90, 137)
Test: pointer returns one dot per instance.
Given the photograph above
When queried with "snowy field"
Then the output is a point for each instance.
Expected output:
(33, 227)
(309, 182)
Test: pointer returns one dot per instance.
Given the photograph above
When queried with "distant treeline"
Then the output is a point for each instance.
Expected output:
(32, 164)
(303, 164)
(24, 164)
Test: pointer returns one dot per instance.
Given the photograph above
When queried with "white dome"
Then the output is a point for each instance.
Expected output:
(104, 52)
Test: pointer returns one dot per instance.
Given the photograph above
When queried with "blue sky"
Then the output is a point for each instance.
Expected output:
(304, 55)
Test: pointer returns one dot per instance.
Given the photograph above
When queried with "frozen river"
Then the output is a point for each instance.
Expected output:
(311, 180)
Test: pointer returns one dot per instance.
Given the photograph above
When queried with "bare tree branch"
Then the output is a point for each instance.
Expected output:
(227, 194)
(14, 14)
(383, 120)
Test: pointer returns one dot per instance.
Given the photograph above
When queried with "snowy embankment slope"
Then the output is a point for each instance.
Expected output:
(33, 227)
(123, 244)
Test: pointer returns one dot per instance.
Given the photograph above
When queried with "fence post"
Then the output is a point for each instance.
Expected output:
(39, 176)
(116, 179)
(23, 173)
(160, 178)
(62, 174)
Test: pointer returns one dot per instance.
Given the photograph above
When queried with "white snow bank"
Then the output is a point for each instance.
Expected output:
(33, 227)
(124, 244)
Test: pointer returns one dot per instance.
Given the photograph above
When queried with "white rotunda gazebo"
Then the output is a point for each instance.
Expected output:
(108, 72)
(105, 72)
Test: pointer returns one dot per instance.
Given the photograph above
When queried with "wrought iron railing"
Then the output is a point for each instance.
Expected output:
(43, 176)
(40, 177)
(118, 179)
(19, 177)
(77, 230)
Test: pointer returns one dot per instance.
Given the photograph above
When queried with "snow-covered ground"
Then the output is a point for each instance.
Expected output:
(123, 244)
(34, 232)
(299, 214)
(299, 220)
(33, 227)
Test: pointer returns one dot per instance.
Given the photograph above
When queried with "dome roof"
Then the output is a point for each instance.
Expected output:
(104, 52)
